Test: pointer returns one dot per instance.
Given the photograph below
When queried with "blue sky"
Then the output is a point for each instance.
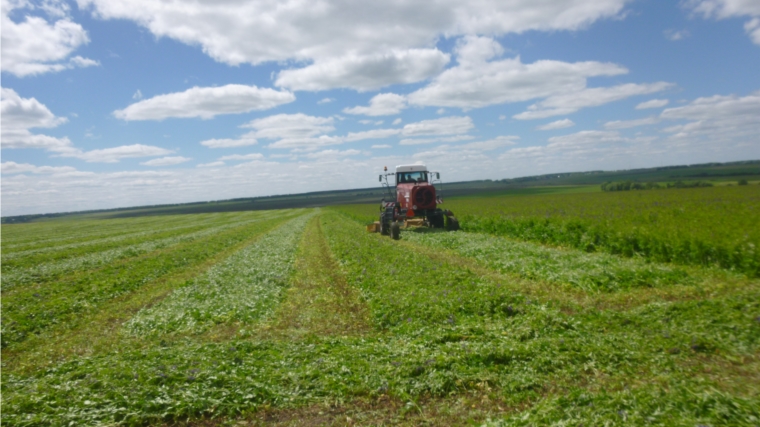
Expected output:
(113, 103)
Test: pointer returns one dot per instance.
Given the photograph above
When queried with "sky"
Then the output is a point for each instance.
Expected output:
(117, 103)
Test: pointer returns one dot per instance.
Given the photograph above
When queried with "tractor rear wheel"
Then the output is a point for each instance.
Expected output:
(453, 223)
(436, 220)
(395, 231)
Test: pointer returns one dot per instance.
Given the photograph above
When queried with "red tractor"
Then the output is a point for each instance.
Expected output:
(416, 202)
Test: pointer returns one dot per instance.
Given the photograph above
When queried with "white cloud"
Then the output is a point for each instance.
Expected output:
(625, 124)
(479, 80)
(559, 124)
(652, 103)
(211, 165)
(206, 102)
(397, 121)
(722, 9)
(325, 101)
(284, 126)
(137, 95)
(327, 154)
(10, 168)
(675, 35)
(243, 141)
(115, 154)
(383, 104)
(491, 144)
(719, 118)
(371, 134)
(444, 126)
(252, 156)
(584, 138)
(19, 114)
(34, 46)
(567, 103)
(330, 31)
(365, 72)
(420, 141)
(166, 161)
(381, 146)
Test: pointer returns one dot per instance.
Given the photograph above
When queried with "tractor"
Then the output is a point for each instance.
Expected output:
(415, 203)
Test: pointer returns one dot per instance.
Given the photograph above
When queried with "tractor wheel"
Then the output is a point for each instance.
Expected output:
(453, 223)
(436, 221)
(384, 226)
(395, 231)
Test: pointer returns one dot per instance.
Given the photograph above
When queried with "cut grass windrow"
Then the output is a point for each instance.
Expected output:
(593, 272)
(30, 272)
(243, 289)
(29, 311)
(319, 302)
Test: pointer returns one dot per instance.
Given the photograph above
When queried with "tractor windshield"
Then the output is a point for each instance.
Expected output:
(411, 177)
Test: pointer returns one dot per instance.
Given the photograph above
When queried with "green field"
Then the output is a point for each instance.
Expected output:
(566, 306)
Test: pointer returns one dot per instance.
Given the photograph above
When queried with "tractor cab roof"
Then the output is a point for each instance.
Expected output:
(411, 168)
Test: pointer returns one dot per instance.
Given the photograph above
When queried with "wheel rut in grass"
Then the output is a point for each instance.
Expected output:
(319, 301)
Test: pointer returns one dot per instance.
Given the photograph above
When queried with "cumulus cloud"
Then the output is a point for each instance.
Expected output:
(421, 141)
(381, 146)
(284, 126)
(35, 46)
(625, 124)
(567, 103)
(653, 103)
(371, 134)
(206, 102)
(115, 154)
(332, 32)
(367, 72)
(211, 165)
(443, 126)
(166, 161)
(674, 35)
(252, 156)
(383, 104)
(10, 168)
(719, 117)
(243, 141)
(559, 124)
(19, 115)
(722, 9)
(480, 80)
(492, 144)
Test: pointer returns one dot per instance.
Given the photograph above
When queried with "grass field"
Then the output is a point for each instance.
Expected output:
(568, 308)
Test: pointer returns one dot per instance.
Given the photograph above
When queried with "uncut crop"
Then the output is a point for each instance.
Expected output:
(714, 226)
(445, 322)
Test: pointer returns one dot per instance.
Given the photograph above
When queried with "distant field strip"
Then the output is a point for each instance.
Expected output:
(590, 272)
(44, 272)
(43, 234)
(116, 237)
(244, 288)
(33, 309)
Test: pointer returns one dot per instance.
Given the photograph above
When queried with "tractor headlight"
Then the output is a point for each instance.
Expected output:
(414, 207)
